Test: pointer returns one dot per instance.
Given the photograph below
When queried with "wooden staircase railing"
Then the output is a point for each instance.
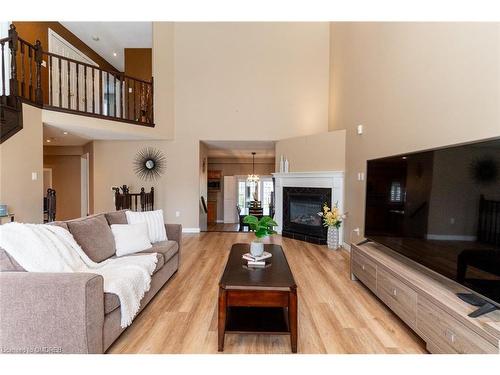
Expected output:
(55, 82)
(125, 200)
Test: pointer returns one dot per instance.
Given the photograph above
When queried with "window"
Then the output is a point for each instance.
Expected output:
(267, 190)
(246, 190)
(4, 32)
(396, 192)
(241, 194)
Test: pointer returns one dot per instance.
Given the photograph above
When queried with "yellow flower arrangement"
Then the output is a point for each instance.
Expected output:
(331, 217)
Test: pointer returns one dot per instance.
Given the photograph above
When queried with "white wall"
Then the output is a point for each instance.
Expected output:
(251, 81)
(20, 156)
(318, 152)
(237, 81)
(413, 86)
(213, 81)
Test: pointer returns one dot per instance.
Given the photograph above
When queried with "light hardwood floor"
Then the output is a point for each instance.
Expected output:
(223, 227)
(336, 315)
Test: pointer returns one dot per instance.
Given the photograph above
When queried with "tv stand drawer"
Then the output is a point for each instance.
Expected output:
(444, 331)
(365, 270)
(398, 296)
(425, 301)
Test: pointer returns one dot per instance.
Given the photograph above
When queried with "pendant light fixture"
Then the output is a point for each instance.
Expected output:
(253, 177)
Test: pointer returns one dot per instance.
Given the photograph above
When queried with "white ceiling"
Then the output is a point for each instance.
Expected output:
(114, 37)
(240, 149)
(57, 137)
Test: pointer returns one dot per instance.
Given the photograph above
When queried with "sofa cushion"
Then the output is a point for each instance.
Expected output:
(61, 224)
(111, 300)
(159, 264)
(167, 248)
(130, 238)
(116, 217)
(154, 220)
(94, 235)
(9, 264)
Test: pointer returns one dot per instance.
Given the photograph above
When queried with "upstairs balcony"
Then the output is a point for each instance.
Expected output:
(58, 83)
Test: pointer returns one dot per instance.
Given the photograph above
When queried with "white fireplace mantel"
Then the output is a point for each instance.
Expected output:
(325, 179)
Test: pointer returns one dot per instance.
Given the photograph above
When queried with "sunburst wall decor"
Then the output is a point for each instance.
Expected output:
(149, 163)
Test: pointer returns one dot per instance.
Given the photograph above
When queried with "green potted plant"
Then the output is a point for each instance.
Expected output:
(261, 228)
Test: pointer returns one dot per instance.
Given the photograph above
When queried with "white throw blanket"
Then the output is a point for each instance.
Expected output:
(49, 248)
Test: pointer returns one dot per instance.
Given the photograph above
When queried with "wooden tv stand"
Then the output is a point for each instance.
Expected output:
(425, 301)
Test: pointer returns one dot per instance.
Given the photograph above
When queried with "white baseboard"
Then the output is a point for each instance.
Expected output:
(190, 230)
(450, 237)
(219, 221)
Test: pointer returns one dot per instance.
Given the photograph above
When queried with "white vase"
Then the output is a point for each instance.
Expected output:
(287, 164)
(332, 238)
(256, 248)
(282, 164)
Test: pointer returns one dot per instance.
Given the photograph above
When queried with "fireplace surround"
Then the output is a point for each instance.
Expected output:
(332, 181)
(300, 213)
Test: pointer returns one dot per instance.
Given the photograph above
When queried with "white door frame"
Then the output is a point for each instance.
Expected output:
(84, 184)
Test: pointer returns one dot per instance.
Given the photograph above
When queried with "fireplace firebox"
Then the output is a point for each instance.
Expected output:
(300, 213)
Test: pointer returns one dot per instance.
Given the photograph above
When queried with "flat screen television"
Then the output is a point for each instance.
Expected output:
(441, 208)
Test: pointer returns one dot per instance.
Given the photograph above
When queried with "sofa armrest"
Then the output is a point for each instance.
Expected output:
(174, 233)
(51, 312)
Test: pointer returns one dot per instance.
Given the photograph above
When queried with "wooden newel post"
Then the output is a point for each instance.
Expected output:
(152, 198)
(118, 202)
(143, 199)
(38, 71)
(13, 43)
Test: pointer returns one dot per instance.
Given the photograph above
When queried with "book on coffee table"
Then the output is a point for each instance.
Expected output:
(252, 258)
(256, 263)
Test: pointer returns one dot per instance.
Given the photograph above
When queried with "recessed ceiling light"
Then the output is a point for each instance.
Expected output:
(65, 133)
(48, 141)
(95, 37)
(115, 54)
(404, 158)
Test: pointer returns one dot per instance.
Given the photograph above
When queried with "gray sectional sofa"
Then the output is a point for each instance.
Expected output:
(69, 312)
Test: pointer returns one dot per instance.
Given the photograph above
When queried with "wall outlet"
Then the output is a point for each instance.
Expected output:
(361, 176)
(452, 220)
(359, 129)
(357, 231)
(34, 176)
(177, 213)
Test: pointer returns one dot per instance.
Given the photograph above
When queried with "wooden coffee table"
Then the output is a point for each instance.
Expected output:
(257, 300)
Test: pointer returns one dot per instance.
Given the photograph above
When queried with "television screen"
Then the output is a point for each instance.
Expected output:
(441, 208)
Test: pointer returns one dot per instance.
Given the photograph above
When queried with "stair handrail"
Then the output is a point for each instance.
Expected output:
(128, 99)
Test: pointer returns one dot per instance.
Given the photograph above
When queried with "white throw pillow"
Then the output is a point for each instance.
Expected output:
(130, 238)
(154, 220)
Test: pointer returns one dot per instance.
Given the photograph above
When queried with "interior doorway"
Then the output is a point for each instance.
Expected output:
(68, 170)
(229, 191)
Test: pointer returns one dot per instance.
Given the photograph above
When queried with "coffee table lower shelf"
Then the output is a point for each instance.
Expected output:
(265, 320)
(272, 312)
